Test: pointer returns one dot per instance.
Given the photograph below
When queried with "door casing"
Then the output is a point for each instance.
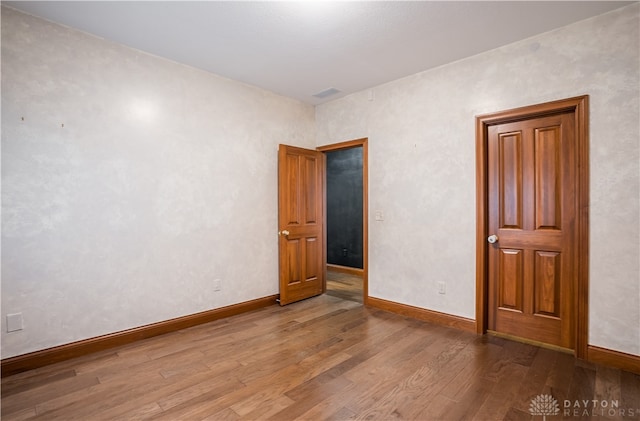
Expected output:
(579, 106)
(365, 211)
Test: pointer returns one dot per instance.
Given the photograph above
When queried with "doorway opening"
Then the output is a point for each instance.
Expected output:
(346, 220)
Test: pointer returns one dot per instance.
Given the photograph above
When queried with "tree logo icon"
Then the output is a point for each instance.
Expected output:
(544, 405)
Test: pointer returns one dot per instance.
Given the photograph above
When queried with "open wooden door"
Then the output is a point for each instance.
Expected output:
(300, 220)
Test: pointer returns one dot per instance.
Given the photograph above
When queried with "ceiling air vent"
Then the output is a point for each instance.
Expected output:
(326, 93)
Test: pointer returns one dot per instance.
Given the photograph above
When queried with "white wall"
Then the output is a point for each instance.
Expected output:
(162, 180)
(422, 165)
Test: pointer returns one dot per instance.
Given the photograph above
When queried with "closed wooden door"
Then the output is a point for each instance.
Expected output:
(300, 215)
(531, 219)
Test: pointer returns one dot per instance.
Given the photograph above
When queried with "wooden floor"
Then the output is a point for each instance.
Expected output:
(321, 359)
(345, 286)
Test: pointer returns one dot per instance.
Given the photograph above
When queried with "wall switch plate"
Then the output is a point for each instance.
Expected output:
(14, 322)
(442, 288)
(379, 216)
(216, 285)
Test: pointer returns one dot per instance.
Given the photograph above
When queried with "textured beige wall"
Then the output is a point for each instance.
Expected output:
(422, 165)
(162, 180)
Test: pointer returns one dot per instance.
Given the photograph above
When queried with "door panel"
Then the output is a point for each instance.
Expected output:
(293, 253)
(511, 279)
(510, 157)
(547, 281)
(547, 147)
(531, 209)
(310, 189)
(300, 216)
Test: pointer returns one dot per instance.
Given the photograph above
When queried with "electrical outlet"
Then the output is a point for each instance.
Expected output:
(14, 322)
(216, 285)
(442, 288)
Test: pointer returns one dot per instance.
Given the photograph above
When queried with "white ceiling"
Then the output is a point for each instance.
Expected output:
(301, 48)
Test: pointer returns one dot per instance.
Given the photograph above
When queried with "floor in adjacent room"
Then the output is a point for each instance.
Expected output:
(324, 358)
(345, 286)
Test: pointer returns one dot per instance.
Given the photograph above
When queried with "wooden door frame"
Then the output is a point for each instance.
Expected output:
(363, 142)
(579, 106)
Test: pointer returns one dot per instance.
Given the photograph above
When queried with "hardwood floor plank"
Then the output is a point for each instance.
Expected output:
(399, 382)
(136, 413)
(147, 366)
(467, 405)
(520, 353)
(559, 379)
(268, 410)
(209, 389)
(345, 286)
(43, 392)
(607, 385)
(582, 384)
(518, 415)
(630, 393)
(226, 414)
(22, 415)
(274, 379)
(341, 415)
(483, 358)
(315, 391)
(149, 385)
(435, 409)
(535, 382)
(504, 394)
(330, 406)
(320, 391)
(323, 358)
(13, 386)
(93, 401)
(445, 371)
(177, 390)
